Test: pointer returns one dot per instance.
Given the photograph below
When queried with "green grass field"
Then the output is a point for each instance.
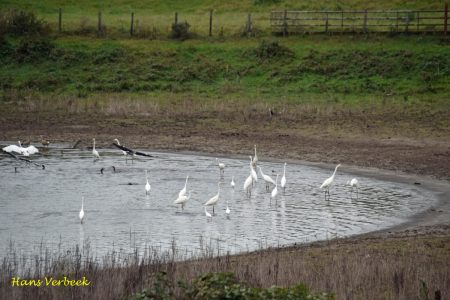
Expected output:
(157, 16)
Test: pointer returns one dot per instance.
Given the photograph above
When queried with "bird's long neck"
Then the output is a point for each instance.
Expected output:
(255, 151)
(82, 203)
(20, 144)
(284, 170)
(94, 145)
(334, 173)
(185, 184)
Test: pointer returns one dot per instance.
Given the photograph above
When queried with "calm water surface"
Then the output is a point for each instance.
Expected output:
(41, 206)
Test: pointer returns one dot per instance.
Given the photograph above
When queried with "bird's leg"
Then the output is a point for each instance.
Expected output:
(213, 210)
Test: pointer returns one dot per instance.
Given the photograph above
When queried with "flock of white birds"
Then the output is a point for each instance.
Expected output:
(184, 196)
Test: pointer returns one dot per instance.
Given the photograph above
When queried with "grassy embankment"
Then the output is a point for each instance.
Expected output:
(345, 83)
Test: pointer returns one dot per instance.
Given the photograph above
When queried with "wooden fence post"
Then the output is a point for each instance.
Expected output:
(365, 21)
(446, 18)
(176, 18)
(60, 21)
(210, 22)
(249, 25)
(285, 24)
(99, 25)
(132, 24)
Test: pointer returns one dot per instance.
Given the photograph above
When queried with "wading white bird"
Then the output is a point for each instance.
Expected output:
(30, 150)
(183, 200)
(275, 190)
(247, 185)
(147, 185)
(213, 201)
(207, 214)
(81, 214)
(252, 172)
(95, 152)
(329, 182)
(221, 166)
(255, 158)
(232, 182)
(283, 179)
(354, 183)
(227, 211)
(183, 191)
(266, 178)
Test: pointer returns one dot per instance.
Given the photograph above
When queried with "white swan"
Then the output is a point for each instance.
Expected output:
(30, 150)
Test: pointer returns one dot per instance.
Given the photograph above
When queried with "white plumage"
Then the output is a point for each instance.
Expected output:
(147, 185)
(266, 178)
(81, 214)
(183, 200)
(232, 183)
(247, 185)
(275, 189)
(283, 179)
(183, 191)
(213, 201)
(329, 181)
(95, 152)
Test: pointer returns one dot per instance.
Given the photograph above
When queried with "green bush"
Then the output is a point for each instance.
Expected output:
(19, 23)
(33, 49)
(269, 50)
(225, 286)
(180, 31)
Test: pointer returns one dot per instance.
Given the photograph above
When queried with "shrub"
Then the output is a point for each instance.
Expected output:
(21, 23)
(224, 286)
(33, 49)
(268, 50)
(180, 31)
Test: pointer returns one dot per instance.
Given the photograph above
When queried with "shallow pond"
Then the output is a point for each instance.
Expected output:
(41, 206)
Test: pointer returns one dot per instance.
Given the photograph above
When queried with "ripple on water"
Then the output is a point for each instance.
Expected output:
(44, 204)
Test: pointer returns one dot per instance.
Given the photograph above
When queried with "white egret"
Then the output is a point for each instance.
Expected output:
(354, 183)
(81, 214)
(329, 182)
(95, 152)
(207, 214)
(252, 172)
(283, 179)
(275, 189)
(147, 185)
(183, 200)
(221, 166)
(213, 201)
(183, 191)
(266, 178)
(227, 211)
(30, 150)
(255, 158)
(247, 185)
(232, 182)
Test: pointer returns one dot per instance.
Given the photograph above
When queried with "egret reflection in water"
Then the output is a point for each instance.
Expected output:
(43, 206)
